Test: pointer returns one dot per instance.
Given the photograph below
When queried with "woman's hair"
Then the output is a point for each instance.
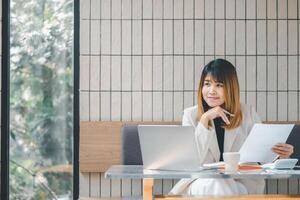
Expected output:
(222, 71)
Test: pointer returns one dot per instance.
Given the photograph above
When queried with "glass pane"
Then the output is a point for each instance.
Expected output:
(41, 99)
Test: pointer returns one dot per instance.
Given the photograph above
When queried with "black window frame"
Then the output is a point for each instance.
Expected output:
(5, 69)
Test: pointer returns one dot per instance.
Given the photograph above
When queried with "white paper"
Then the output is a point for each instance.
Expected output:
(262, 137)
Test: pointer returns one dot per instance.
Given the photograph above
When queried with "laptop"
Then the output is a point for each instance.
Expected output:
(169, 147)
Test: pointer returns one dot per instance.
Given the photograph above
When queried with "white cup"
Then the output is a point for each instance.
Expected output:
(231, 160)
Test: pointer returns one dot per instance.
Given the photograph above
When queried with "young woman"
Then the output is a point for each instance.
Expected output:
(221, 124)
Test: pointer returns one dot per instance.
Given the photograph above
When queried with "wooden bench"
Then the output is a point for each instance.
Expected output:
(100, 144)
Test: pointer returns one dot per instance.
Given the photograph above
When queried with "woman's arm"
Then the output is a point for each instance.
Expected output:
(203, 135)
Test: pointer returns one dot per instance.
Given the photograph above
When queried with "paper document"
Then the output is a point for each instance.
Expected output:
(261, 139)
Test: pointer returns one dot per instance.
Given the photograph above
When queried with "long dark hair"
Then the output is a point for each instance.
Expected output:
(224, 72)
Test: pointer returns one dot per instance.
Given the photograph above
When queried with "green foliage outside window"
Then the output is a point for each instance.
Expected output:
(41, 99)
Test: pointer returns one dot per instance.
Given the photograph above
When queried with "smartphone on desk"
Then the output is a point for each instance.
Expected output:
(282, 164)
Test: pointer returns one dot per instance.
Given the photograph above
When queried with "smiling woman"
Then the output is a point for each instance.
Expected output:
(221, 123)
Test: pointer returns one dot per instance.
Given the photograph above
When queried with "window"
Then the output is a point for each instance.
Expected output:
(41, 109)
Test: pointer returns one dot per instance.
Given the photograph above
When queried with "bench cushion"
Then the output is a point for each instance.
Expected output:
(131, 150)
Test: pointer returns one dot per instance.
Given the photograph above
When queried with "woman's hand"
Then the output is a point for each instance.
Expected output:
(214, 113)
(283, 150)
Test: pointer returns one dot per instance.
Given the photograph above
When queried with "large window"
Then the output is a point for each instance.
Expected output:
(41, 99)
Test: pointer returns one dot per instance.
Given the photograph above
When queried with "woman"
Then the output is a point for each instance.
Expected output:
(221, 124)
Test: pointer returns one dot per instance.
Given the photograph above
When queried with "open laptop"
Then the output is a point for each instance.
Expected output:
(169, 147)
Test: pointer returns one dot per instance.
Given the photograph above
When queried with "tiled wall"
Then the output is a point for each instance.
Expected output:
(142, 59)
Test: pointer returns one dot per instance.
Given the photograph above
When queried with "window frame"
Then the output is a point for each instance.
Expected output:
(5, 78)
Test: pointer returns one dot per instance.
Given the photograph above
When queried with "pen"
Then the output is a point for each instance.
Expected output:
(225, 111)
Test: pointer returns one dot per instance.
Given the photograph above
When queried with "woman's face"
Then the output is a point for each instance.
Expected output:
(213, 92)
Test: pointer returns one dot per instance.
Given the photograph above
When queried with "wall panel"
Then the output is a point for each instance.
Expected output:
(142, 60)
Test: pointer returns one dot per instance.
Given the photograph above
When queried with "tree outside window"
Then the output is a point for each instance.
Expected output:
(41, 99)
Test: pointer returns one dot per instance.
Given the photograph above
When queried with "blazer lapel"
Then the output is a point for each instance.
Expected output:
(193, 117)
(214, 147)
(229, 139)
(230, 136)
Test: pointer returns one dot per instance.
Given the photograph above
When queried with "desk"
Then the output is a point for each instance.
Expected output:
(148, 176)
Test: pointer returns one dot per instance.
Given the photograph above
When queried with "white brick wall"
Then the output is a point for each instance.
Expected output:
(142, 59)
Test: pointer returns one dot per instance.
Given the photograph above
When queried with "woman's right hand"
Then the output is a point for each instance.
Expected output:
(214, 113)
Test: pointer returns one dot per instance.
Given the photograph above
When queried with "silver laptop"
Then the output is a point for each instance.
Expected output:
(168, 147)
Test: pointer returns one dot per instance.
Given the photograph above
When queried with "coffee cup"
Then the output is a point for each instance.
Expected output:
(231, 160)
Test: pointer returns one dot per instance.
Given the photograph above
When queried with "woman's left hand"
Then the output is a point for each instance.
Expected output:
(283, 150)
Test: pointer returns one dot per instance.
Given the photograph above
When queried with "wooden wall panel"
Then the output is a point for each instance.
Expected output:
(100, 144)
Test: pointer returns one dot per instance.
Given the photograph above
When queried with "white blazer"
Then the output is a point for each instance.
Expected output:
(208, 145)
